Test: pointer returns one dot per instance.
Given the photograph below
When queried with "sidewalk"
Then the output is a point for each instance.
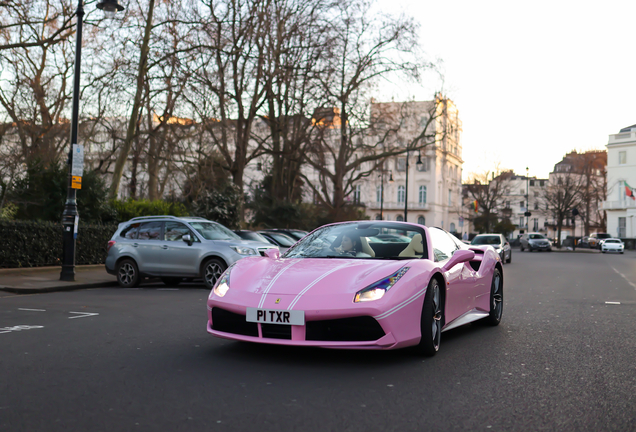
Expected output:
(34, 280)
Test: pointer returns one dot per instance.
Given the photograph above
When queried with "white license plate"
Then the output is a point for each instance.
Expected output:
(269, 316)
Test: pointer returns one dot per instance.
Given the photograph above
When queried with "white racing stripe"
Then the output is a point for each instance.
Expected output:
(401, 305)
(308, 287)
(271, 283)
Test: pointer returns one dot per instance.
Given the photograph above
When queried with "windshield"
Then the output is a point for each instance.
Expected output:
(282, 239)
(486, 240)
(364, 240)
(536, 237)
(214, 231)
(603, 236)
(612, 241)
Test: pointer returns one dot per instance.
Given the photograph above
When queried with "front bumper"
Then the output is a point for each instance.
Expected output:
(350, 326)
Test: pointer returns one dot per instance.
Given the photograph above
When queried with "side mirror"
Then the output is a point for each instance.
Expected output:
(460, 256)
(188, 239)
(272, 253)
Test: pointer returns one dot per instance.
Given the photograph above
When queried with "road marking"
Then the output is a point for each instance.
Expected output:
(34, 310)
(613, 303)
(18, 328)
(624, 277)
(83, 314)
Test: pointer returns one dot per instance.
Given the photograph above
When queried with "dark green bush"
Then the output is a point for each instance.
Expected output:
(129, 209)
(33, 244)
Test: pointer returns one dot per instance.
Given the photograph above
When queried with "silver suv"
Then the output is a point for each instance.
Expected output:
(535, 241)
(174, 248)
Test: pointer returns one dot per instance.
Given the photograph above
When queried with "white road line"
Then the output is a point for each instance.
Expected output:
(34, 310)
(18, 328)
(624, 277)
(613, 303)
(83, 314)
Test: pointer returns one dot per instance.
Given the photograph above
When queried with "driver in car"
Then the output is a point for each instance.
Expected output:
(351, 245)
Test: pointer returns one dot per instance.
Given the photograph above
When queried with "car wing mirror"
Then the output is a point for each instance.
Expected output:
(188, 239)
(273, 253)
(460, 256)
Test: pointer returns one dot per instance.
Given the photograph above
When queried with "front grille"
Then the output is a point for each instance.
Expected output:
(231, 322)
(356, 329)
(276, 331)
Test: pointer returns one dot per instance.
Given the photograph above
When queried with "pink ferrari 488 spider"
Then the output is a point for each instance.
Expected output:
(366, 285)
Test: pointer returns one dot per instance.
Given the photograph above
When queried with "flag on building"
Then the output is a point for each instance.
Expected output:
(629, 191)
(476, 206)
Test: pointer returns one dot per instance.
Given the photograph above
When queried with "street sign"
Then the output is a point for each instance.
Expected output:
(77, 169)
(76, 182)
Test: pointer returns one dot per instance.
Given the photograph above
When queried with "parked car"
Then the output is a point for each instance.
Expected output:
(174, 248)
(498, 241)
(595, 239)
(251, 235)
(535, 241)
(335, 289)
(283, 241)
(612, 245)
(293, 233)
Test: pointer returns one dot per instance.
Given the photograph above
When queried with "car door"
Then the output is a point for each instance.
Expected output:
(150, 248)
(180, 258)
(460, 278)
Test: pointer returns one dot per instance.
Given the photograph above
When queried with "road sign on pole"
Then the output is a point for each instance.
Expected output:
(77, 169)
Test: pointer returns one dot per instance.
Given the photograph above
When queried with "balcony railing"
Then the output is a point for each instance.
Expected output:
(392, 205)
(619, 205)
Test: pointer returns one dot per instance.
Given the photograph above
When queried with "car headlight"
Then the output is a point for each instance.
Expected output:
(241, 250)
(376, 290)
(222, 285)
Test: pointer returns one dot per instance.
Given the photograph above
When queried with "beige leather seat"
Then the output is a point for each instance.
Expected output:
(415, 249)
(366, 248)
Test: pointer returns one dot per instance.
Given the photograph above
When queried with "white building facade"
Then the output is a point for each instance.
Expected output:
(621, 177)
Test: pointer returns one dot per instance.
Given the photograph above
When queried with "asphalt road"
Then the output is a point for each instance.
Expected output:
(140, 360)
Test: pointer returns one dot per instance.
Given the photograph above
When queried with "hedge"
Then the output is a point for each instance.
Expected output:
(33, 244)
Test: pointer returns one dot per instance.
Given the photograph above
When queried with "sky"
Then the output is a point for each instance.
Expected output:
(532, 80)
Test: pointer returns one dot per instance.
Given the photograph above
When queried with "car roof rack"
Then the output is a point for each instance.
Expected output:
(143, 218)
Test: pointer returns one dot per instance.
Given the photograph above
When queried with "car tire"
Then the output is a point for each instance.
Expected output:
(621, 253)
(602, 251)
(431, 320)
(211, 271)
(522, 249)
(509, 260)
(171, 281)
(127, 273)
(496, 299)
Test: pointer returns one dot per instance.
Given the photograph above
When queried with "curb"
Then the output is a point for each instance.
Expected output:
(43, 290)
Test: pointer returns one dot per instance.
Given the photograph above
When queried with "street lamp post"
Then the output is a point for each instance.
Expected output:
(406, 187)
(70, 215)
(382, 190)
(527, 200)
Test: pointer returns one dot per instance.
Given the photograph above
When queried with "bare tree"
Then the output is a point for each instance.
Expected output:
(488, 188)
(562, 194)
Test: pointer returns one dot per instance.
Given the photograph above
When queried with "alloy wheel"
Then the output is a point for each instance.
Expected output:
(497, 296)
(213, 272)
(437, 317)
(126, 273)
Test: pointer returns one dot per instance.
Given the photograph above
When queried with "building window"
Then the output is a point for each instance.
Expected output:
(508, 204)
(522, 192)
(421, 220)
(452, 227)
(521, 205)
(450, 197)
(378, 194)
(400, 164)
(399, 218)
(536, 206)
(622, 157)
(531, 182)
(357, 191)
(542, 183)
(422, 195)
(520, 221)
(401, 195)
(536, 224)
(622, 232)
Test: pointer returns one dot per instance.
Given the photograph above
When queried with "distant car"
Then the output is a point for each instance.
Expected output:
(595, 239)
(499, 242)
(283, 241)
(173, 248)
(293, 233)
(535, 241)
(251, 235)
(612, 245)
(584, 242)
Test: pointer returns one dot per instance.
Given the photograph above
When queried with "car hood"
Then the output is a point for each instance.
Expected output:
(322, 275)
